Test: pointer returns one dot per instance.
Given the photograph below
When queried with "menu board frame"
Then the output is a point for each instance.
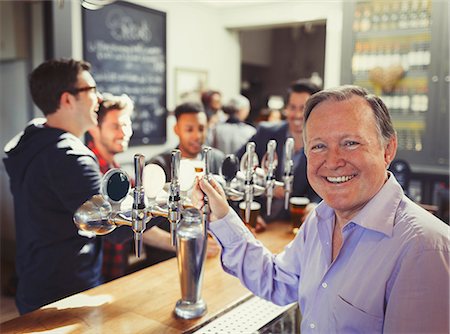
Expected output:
(126, 46)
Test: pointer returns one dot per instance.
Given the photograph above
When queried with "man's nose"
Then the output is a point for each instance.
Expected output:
(335, 158)
(299, 112)
(99, 97)
(198, 135)
(126, 131)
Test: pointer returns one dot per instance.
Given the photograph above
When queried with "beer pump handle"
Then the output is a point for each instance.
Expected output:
(270, 178)
(139, 213)
(173, 203)
(248, 183)
(206, 159)
(288, 170)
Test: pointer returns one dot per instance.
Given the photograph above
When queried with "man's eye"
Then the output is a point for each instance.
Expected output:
(317, 147)
(351, 143)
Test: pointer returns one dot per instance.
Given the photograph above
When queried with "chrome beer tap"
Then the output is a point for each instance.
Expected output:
(288, 177)
(248, 183)
(139, 211)
(270, 177)
(174, 200)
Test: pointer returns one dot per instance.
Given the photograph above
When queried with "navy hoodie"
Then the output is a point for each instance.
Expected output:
(51, 174)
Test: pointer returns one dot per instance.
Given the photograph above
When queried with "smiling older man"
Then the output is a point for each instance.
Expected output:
(367, 259)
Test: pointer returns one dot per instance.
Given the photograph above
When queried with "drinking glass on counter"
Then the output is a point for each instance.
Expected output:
(297, 208)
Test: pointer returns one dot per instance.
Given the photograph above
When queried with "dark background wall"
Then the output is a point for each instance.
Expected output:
(295, 52)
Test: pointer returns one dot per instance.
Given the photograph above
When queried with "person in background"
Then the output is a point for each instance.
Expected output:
(52, 173)
(212, 104)
(367, 259)
(229, 136)
(297, 95)
(275, 116)
(191, 128)
(113, 132)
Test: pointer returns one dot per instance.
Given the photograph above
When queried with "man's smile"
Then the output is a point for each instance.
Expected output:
(340, 179)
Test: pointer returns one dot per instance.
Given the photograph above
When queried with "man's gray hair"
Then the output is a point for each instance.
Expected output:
(382, 117)
(239, 102)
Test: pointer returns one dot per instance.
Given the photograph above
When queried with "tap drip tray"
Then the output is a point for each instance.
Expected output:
(253, 315)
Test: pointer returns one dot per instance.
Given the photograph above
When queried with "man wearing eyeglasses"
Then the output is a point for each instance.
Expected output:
(51, 174)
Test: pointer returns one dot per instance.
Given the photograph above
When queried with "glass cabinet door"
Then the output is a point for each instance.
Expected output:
(395, 49)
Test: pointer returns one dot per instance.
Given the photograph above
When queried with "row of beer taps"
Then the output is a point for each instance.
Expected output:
(247, 184)
(259, 182)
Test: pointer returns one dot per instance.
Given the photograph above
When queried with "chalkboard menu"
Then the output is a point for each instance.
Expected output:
(126, 46)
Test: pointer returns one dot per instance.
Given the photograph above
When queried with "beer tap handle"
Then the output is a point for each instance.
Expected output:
(250, 152)
(206, 158)
(270, 178)
(174, 212)
(288, 170)
(139, 214)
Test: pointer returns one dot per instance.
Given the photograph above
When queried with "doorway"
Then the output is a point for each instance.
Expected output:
(273, 57)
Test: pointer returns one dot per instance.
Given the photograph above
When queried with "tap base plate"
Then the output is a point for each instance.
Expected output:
(190, 310)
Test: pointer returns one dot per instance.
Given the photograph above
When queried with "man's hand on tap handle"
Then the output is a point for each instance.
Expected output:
(217, 201)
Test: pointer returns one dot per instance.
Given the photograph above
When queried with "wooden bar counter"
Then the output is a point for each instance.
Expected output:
(142, 302)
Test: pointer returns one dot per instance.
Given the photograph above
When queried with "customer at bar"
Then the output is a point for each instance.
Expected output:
(191, 128)
(367, 259)
(51, 174)
(296, 97)
(230, 135)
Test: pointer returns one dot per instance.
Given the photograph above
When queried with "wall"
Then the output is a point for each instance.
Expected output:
(256, 47)
(15, 103)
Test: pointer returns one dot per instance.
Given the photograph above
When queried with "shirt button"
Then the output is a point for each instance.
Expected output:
(312, 325)
(324, 285)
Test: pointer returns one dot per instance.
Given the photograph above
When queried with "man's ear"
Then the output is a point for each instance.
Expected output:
(390, 151)
(94, 132)
(176, 129)
(65, 99)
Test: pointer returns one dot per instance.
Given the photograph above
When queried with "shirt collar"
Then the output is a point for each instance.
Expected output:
(103, 164)
(378, 214)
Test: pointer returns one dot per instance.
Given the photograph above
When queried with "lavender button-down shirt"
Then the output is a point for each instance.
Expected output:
(391, 274)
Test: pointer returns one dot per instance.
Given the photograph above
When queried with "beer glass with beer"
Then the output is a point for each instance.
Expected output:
(254, 212)
(297, 208)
